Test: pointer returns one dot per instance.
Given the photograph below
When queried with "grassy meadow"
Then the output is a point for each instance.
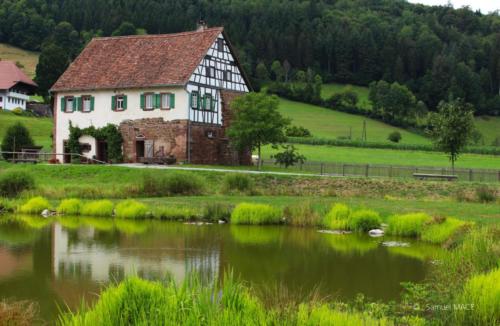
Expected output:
(489, 128)
(28, 59)
(40, 128)
(327, 90)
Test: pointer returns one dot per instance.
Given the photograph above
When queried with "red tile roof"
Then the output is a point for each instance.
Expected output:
(137, 61)
(10, 75)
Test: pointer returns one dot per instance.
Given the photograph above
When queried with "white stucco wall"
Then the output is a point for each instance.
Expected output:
(103, 114)
(5, 104)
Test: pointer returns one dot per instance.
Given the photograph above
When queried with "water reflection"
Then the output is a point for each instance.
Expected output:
(59, 261)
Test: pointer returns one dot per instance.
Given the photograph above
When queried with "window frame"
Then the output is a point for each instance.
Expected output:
(208, 102)
(167, 94)
(146, 108)
(228, 75)
(89, 99)
(210, 71)
(194, 104)
(220, 44)
(66, 101)
(122, 98)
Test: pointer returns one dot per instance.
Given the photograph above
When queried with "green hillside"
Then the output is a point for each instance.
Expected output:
(489, 128)
(326, 123)
(327, 90)
(40, 128)
(27, 59)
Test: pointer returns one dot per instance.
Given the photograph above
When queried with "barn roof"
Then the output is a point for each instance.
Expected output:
(10, 75)
(137, 61)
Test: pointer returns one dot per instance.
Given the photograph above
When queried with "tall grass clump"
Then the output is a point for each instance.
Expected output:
(217, 212)
(407, 225)
(131, 209)
(482, 291)
(35, 205)
(237, 182)
(338, 217)
(364, 220)
(176, 183)
(175, 213)
(14, 182)
(246, 213)
(441, 231)
(18, 313)
(302, 214)
(97, 208)
(323, 315)
(485, 194)
(70, 206)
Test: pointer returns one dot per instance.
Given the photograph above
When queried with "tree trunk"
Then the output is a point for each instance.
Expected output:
(260, 158)
(453, 166)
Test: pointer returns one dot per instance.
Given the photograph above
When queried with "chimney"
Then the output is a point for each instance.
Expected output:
(201, 25)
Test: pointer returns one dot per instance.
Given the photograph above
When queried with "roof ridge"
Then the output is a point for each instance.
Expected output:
(211, 29)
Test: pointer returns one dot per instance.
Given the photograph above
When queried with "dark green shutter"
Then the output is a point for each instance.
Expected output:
(63, 104)
(78, 102)
(157, 101)
(113, 102)
(143, 101)
(198, 100)
(91, 103)
(204, 102)
(172, 101)
(124, 102)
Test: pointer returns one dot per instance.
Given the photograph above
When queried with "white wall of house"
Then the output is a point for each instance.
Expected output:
(11, 99)
(103, 113)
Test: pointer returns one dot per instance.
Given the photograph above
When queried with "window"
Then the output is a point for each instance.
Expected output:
(220, 44)
(1, 99)
(228, 76)
(149, 101)
(208, 102)
(120, 103)
(165, 101)
(210, 71)
(194, 99)
(86, 104)
(69, 104)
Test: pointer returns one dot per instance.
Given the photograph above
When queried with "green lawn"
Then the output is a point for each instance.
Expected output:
(40, 128)
(326, 123)
(325, 153)
(327, 90)
(28, 59)
(489, 128)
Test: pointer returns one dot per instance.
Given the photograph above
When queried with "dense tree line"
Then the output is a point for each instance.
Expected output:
(437, 52)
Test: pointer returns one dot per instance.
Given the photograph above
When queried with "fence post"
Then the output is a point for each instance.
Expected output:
(343, 171)
(321, 168)
(366, 170)
(301, 166)
(470, 174)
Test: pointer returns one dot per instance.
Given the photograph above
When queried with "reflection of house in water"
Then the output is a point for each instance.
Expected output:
(86, 258)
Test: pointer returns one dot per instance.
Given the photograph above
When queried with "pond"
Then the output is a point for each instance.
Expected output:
(57, 262)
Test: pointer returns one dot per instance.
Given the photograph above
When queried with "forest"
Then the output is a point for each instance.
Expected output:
(437, 52)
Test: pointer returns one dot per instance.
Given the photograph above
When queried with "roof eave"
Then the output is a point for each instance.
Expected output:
(55, 90)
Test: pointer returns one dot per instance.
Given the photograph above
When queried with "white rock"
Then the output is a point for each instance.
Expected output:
(45, 213)
(222, 222)
(395, 244)
(376, 233)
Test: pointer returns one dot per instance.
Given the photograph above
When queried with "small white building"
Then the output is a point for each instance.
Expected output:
(15, 86)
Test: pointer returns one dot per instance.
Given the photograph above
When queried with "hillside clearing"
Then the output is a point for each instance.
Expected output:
(26, 58)
(489, 128)
(327, 90)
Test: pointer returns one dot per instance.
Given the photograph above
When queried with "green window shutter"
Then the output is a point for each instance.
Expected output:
(190, 100)
(203, 102)
(143, 101)
(78, 102)
(172, 101)
(113, 102)
(198, 99)
(63, 104)
(157, 98)
(124, 102)
(91, 103)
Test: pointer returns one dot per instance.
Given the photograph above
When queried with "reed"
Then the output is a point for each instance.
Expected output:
(131, 209)
(441, 231)
(247, 213)
(407, 225)
(70, 206)
(35, 205)
(338, 217)
(102, 208)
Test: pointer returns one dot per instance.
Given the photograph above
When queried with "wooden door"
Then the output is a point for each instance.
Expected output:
(149, 148)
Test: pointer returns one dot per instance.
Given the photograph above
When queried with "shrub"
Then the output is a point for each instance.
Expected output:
(14, 182)
(217, 211)
(97, 208)
(485, 194)
(338, 217)
(177, 183)
(395, 136)
(408, 225)
(302, 214)
(237, 182)
(131, 209)
(70, 206)
(364, 220)
(482, 291)
(35, 205)
(441, 232)
(16, 137)
(297, 131)
(289, 156)
(247, 213)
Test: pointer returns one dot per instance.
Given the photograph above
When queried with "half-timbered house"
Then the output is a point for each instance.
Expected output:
(169, 94)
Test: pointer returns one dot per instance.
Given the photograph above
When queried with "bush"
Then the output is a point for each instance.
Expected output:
(289, 156)
(35, 205)
(302, 214)
(247, 213)
(237, 182)
(217, 211)
(297, 131)
(364, 220)
(338, 217)
(97, 208)
(14, 182)
(176, 183)
(395, 136)
(485, 194)
(70, 206)
(441, 232)
(408, 225)
(131, 209)
(482, 291)
(16, 137)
